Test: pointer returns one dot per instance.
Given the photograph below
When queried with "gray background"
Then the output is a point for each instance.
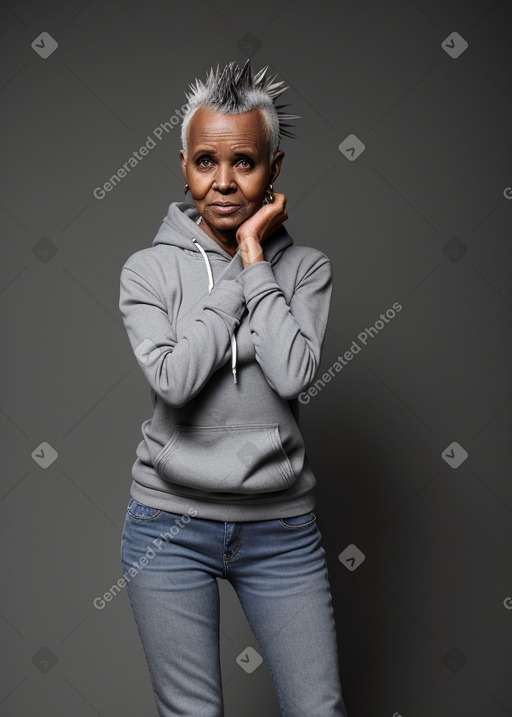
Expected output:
(420, 217)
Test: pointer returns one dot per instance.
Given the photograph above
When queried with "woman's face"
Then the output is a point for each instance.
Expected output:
(227, 167)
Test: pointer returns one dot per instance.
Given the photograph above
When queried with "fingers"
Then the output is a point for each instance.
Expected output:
(278, 207)
(279, 199)
(277, 214)
(265, 221)
(281, 203)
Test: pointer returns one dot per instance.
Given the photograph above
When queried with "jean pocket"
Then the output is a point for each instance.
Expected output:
(141, 512)
(298, 521)
(247, 458)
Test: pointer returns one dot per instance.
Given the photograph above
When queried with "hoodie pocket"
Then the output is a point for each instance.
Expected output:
(247, 458)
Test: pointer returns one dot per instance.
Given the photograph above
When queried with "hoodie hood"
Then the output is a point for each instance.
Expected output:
(180, 228)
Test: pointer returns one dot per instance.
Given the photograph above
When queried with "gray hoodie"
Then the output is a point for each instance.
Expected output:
(226, 351)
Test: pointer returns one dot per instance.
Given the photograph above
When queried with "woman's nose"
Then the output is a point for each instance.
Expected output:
(223, 178)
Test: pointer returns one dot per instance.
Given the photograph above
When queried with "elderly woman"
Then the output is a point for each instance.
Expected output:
(226, 317)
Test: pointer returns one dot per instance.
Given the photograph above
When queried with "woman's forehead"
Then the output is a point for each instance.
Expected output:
(247, 127)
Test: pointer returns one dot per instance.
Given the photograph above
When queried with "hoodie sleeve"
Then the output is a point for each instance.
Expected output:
(178, 370)
(288, 338)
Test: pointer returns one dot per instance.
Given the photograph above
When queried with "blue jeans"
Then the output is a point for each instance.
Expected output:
(278, 570)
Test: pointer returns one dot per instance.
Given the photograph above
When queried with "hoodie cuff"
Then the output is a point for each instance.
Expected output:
(228, 298)
(256, 279)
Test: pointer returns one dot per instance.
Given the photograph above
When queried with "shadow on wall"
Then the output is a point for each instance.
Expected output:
(366, 454)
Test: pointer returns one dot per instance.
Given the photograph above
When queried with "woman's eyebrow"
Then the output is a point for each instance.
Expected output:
(244, 152)
(203, 150)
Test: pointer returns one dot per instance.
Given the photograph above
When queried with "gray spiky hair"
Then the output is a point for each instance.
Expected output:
(233, 90)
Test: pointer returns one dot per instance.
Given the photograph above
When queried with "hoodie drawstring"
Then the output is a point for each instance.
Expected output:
(210, 287)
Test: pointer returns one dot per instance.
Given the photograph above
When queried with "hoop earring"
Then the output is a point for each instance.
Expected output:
(269, 197)
(186, 188)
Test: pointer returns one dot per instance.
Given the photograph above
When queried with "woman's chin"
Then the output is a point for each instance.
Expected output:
(226, 222)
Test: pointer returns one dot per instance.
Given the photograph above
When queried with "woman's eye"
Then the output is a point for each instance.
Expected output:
(246, 162)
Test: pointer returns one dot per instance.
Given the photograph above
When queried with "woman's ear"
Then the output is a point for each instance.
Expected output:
(183, 159)
(275, 167)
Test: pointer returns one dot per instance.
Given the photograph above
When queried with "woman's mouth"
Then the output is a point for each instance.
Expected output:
(225, 207)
